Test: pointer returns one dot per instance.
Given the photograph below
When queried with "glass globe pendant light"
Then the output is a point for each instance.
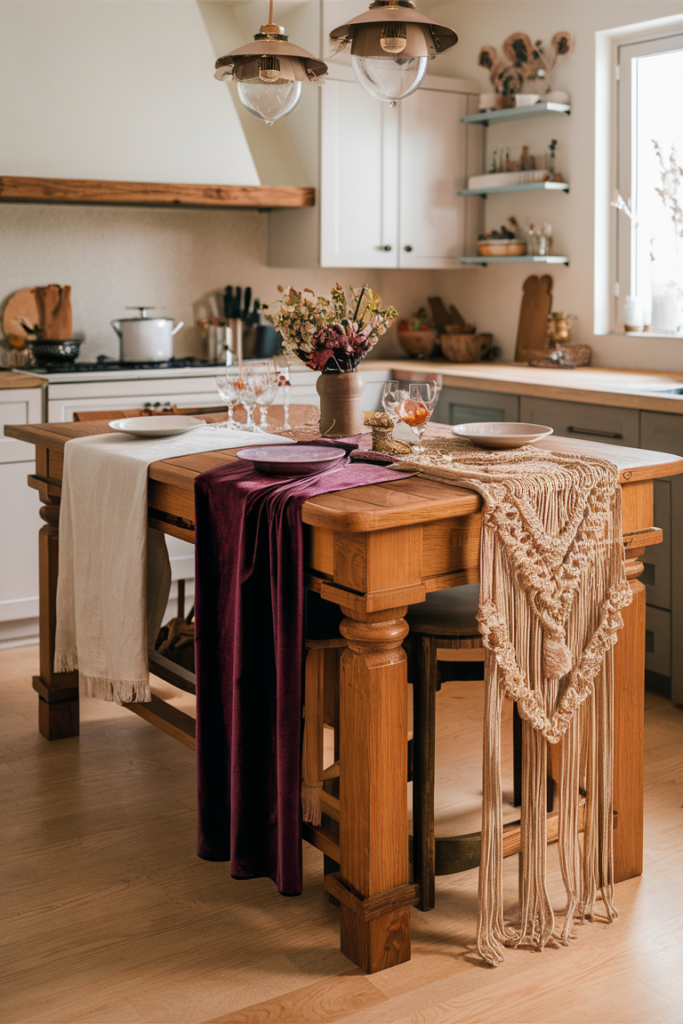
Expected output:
(270, 72)
(391, 46)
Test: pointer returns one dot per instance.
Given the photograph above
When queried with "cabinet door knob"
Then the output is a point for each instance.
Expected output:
(408, 248)
(385, 248)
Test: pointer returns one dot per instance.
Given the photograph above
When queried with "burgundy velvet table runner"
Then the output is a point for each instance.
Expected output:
(249, 636)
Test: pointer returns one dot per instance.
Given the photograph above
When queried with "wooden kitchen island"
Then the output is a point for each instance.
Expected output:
(374, 551)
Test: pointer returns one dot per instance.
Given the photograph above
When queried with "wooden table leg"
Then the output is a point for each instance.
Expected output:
(373, 884)
(629, 699)
(57, 691)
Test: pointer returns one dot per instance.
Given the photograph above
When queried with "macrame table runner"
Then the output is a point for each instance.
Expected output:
(553, 583)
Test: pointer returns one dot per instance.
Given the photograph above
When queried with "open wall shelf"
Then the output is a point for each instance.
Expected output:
(534, 186)
(146, 193)
(516, 113)
(483, 260)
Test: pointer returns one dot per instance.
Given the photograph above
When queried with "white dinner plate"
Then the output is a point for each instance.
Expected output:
(156, 426)
(502, 435)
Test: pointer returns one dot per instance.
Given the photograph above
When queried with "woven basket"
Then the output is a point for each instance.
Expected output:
(419, 344)
(465, 348)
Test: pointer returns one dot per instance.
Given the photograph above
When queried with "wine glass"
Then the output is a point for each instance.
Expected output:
(264, 385)
(283, 381)
(251, 385)
(392, 396)
(417, 408)
(230, 392)
(436, 380)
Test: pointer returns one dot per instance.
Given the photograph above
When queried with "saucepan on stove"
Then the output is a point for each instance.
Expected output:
(46, 351)
(146, 339)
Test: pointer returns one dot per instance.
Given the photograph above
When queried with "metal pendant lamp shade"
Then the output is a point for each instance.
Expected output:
(391, 46)
(270, 72)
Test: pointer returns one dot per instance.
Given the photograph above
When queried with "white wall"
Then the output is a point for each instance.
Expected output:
(116, 90)
(492, 295)
(172, 259)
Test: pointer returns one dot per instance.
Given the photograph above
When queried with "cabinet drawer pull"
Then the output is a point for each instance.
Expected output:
(408, 248)
(595, 433)
(384, 248)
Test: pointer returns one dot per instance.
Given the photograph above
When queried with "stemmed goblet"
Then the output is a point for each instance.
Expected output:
(283, 381)
(392, 396)
(416, 410)
(264, 384)
(230, 391)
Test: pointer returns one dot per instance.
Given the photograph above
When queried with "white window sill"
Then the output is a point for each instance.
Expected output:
(642, 334)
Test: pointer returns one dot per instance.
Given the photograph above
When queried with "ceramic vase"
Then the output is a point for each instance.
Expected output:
(341, 414)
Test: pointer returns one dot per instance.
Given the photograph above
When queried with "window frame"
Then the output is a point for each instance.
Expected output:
(624, 263)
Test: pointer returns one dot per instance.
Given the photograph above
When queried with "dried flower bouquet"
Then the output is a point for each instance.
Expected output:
(332, 333)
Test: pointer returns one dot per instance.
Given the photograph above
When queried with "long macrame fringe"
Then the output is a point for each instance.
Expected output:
(553, 584)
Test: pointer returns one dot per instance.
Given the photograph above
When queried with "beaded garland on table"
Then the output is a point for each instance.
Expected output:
(553, 583)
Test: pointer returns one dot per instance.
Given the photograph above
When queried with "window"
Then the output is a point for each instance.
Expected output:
(649, 184)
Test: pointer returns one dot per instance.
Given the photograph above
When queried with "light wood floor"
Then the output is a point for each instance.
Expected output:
(108, 916)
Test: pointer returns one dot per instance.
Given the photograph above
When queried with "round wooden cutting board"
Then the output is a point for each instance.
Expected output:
(22, 304)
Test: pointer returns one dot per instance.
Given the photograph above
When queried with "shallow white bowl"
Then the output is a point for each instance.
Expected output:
(502, 435)
(156, 426)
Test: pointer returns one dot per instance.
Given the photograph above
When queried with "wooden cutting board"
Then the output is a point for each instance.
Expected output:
(537, 300)
(22, 304)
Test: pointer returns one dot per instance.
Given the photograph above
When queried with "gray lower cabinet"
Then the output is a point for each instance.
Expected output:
(663, 432)
(586, 422)
(460, 405)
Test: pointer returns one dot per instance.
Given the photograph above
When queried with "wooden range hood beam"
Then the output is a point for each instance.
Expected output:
(143, 193)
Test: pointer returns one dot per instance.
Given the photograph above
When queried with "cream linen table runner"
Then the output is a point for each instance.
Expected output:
(114, 572)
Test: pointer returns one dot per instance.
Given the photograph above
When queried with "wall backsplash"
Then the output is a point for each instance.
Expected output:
(171, 259)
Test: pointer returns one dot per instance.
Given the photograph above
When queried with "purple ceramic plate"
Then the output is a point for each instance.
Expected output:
(292, 460)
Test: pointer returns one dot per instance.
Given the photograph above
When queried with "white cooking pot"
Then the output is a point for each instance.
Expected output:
(146, 339)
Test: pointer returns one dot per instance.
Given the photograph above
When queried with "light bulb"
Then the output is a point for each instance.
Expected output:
(268, 69)
(269, 101)
(393, 37)
(389, 78)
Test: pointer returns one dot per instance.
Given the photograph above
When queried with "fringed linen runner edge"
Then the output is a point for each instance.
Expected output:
(553, 584)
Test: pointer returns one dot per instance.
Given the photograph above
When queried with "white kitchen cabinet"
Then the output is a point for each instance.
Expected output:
(19, 525)
(388, 180)
(19, 519)
(432, 217)
(359, 179)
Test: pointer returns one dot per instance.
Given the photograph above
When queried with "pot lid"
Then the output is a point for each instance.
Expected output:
(143, 315)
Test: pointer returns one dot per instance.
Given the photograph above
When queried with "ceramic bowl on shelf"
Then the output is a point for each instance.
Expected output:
(419, 344)
(501, 247)
(502, 435)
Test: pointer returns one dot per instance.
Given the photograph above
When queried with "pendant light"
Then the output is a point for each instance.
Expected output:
(391, 46)
(270, 72)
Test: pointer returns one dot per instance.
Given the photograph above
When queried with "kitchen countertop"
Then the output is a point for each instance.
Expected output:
(9, 380)
(595, 385)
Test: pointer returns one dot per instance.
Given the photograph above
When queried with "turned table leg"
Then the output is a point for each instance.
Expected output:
(373, 883)
(629, 698)
(57, 691)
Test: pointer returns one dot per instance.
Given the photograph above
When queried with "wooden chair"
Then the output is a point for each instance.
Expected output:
(85, 416)
(442, 629)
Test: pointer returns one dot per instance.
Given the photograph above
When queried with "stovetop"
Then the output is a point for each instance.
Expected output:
(113, 365)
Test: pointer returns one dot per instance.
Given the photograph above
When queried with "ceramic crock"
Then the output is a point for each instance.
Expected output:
(341, 414)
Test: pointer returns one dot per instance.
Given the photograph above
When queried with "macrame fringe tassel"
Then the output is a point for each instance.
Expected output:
(311, 808)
